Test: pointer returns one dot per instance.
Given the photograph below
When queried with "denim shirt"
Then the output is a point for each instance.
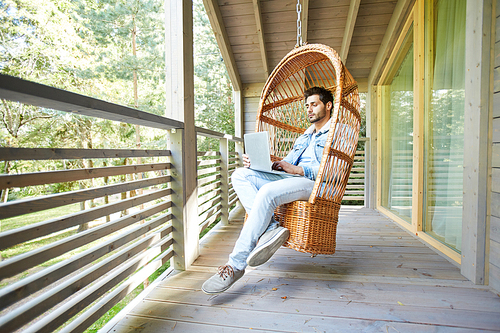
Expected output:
(311, 169)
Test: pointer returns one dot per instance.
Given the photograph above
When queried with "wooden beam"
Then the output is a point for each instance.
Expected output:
(349, 29)
(390, 36)
(180, 105)
(260, 35)
(215, 17)
(476, 181)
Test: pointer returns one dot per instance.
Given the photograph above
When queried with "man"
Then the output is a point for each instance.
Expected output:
(260, 193)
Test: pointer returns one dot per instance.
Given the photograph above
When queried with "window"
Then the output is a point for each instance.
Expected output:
(444, 121)
(397, 133)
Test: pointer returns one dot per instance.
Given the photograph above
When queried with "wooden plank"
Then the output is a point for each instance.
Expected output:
(477, 105)
(16, 236)
(162, 304)
(496, 130)
(22, 262)
(91, 315)
(495, 253)
(349, 29)
(13, 154)
(76, 304)
(219, 27)
(260, 35)
(495, 179)
(495, 158)
(495, 228)
(496, 102)
(31, 205)
(50, 177)
(37, 281)
(31, 93)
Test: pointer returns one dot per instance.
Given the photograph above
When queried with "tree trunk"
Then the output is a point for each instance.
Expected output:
(5, 191)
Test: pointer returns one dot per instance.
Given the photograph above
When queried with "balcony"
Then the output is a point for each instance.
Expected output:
(381, 279)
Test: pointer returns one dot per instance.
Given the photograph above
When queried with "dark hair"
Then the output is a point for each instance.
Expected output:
(325, 95)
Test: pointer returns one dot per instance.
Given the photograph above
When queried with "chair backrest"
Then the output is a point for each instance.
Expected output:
(282, 113)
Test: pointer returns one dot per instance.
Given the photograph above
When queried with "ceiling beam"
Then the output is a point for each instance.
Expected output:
(215, 17)
(390, 36)
(349, 29)
(260, 34)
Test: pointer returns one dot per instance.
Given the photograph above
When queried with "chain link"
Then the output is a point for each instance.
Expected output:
(299, 25)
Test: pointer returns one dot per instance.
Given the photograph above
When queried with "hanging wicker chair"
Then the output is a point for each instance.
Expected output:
(312, 223)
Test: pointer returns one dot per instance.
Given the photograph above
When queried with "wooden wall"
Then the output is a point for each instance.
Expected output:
(494, 257)
(250, 114)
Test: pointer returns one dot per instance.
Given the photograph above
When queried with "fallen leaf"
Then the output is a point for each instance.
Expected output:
(399, 266)
(400, 303)
(274, 289)
(284, 297)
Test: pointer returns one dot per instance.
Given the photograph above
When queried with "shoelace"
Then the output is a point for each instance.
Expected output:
(225, 271)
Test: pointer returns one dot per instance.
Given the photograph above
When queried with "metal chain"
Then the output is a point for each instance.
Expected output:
(299, 25)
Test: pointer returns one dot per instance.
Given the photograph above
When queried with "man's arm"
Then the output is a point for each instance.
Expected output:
(288, 168)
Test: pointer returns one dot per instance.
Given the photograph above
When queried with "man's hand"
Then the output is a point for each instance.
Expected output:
(246, 161)
(288, 168)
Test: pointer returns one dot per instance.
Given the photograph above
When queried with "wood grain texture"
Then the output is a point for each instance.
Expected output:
(381, 279)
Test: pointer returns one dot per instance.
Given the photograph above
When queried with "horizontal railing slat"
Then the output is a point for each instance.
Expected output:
(208, 188)
(208, 162)
(62, 314)
(19, 263)
(33, 308)
(204, 224)
(12, 237)
(203, 172)
(209, 204)
(51, 177)
(106, 303)
(37, 281)
(209, 212)
(204, 181)
(18, 154)
(20, 207)
(208, 196)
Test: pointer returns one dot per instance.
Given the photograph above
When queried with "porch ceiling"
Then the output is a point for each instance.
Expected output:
(254, 35)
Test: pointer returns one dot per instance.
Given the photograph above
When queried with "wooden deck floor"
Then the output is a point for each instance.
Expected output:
(381, 279)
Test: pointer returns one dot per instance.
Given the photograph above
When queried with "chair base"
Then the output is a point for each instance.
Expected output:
(313, 227)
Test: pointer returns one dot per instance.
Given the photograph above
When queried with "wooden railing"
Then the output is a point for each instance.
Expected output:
(356, 187)
(71, 268)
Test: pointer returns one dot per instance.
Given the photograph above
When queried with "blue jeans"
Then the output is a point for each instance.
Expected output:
(260, 193)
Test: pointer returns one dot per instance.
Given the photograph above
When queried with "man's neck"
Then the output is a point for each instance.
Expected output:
(319, 124)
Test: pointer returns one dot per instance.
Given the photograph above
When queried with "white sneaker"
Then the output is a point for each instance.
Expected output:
(268, 244)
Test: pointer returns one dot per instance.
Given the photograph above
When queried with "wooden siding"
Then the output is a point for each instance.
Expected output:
(381, 279)
(494, 255)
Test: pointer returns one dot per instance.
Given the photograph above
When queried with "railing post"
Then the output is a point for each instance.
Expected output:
(224, 173)
(184, 205)
(367, 174)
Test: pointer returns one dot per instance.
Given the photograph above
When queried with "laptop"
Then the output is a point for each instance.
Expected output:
(257, 148)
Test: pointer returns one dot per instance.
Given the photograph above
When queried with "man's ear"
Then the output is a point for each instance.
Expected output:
(329, 106)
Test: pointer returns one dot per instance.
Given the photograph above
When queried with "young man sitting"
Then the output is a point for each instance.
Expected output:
(261, 193)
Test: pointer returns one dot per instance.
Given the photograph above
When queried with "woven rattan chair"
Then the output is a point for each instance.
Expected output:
(312, 223)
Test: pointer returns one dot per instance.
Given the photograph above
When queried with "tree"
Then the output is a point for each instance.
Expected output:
(213, 91)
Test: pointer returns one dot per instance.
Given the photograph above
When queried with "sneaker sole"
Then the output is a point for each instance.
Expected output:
(263, 253)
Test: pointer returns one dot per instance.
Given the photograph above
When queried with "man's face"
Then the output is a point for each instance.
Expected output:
(315, 108)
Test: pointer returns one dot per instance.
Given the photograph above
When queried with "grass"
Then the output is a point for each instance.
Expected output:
(27, 219)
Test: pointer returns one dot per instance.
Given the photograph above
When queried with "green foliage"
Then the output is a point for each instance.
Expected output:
(213, 91)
